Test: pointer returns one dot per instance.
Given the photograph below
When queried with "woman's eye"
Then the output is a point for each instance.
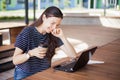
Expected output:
(52, 23)
(58, 26)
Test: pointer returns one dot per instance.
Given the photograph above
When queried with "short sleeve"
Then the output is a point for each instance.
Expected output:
(22, 40)
(60, 42)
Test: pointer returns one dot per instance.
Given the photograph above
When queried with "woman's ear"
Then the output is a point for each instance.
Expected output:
(43, 17)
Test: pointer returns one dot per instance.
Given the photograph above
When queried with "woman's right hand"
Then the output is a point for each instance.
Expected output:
(38, 52)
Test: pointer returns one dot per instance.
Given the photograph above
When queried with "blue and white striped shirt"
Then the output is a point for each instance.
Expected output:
(28, 39)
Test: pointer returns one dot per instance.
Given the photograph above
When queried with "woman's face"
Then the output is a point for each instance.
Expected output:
(51, 23)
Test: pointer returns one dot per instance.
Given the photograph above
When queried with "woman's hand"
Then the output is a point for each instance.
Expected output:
(38, 52)
(57, 32)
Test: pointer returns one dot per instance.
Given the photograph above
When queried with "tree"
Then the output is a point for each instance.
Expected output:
(3, 5)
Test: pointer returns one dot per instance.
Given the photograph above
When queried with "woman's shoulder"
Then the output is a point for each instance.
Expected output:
(27, 29)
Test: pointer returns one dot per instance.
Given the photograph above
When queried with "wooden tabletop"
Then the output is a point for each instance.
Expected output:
(52, 74)
(106, 67)
(9, 25)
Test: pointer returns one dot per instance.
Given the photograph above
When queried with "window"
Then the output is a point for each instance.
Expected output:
(112, 3)
(50, 0)
(8, 2)
(43, 0)
(20, 1)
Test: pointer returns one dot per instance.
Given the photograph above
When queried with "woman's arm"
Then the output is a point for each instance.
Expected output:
(67, 47)
(20, 57)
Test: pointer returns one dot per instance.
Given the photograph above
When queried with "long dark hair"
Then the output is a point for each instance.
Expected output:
(49, 12)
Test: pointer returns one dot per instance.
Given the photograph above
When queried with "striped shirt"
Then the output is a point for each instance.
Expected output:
(28, 39)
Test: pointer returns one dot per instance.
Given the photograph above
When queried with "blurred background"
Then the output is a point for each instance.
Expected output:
(86, 23)
(92, 7)
(76, 12)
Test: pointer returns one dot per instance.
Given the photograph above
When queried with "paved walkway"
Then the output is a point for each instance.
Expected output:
(91, 12)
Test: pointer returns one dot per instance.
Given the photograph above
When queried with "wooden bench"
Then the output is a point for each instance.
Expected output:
(6, 53)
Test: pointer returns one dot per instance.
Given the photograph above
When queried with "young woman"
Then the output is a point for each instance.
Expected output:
(36, 44)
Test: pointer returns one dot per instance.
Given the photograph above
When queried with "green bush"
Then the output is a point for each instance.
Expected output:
(3, 5)
(4, 18)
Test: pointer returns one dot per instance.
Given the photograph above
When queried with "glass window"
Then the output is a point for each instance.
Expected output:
(8, 2)
(43, 0)
(20, 1)
(50, 0)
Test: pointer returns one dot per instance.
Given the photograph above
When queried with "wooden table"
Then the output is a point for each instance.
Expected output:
(108, 69)
(14, 29)
(52, 74)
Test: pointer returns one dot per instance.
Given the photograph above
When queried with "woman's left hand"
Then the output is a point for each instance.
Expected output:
(57, 32)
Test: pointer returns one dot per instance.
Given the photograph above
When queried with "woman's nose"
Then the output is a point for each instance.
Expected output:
(54, 27)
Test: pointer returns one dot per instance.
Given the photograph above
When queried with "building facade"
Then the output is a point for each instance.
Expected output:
(42, 4)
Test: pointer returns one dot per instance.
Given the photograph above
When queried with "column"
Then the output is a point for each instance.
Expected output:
(39, 2)
(95, 2)
(89, 4)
